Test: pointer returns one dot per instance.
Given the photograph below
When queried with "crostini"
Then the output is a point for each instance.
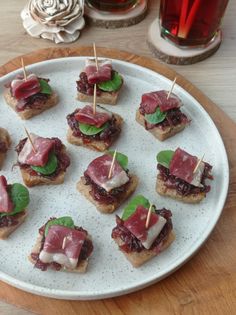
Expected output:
(96, 131)
(108, 81)
(14, 198)
(62, 246)
(182, 176)
(138, 239)
(31, 96)
(5, 142)
(42, 161)
(161, 115)
(107, 193)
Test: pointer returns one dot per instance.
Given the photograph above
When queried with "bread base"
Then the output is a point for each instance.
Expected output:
(96, 145)
(173, 193)
(138, 259)
(30, 112)
(6, 231)
(108, 98)
(160, 134)
(81, 268)
(107, 208)
(4, 137)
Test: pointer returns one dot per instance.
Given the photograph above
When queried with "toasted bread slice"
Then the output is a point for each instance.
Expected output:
(94, 144)
(35, 180)
(138, 259)
(161, 134)
(4, 137)
(6, 231)
(173, 193)
(107, 208)
(30, 112)
(109, 98)
(81, 267)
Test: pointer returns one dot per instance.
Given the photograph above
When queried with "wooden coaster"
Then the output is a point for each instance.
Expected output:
(116, 20)
(170, 53)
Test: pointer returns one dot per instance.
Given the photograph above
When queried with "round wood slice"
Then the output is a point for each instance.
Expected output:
(202, 285)
(169, 53)
(116, 20)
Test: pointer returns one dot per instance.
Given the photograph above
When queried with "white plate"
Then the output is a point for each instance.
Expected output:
(109, 273)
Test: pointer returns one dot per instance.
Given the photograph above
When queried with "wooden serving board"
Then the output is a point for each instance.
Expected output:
(204, 285)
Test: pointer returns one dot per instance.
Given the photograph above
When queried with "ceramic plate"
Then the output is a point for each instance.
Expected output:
(109, 273)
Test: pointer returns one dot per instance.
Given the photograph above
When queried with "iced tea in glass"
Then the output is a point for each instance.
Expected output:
(190, 23)
(112, 5)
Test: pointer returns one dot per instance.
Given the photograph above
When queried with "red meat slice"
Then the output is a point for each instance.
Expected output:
(6, 205)
(102, 74)
(22, 89)
(182, 165)
(86, 116)
(61, 239)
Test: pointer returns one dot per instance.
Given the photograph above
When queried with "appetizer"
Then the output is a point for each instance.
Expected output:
(14, 199)
(42, 161)
(138, 239)
(182, 176)
(62, 246)
(108, 81)
(30, 96)
(96, 131)
(5, 142)
(161, 115)
(104, 191)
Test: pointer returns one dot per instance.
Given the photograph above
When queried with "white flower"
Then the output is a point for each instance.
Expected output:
(58, 20)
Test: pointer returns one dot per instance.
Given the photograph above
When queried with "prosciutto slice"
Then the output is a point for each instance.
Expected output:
(150, 101)
(42, 147)
(6, 205)
(62, 245)
(182, 166)
(98, 171)
(102, 74)
(22, 89)
(86, 116)
(136, 224)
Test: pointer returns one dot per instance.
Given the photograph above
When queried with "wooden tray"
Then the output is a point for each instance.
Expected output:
(206, 284)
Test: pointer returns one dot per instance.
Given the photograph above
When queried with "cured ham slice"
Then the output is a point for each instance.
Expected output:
(182, 166)
(150, 101)
(39, 157)
(98, 171)
(6, 204)
(22, 89)
(62, 245)
(86, 116)
(102, 74)
(136, 224)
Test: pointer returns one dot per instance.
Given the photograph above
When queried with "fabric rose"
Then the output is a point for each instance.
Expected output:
(57, 20)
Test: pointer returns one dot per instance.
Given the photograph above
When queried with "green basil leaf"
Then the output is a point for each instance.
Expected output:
(64, 221)
(156, 117)
(49, 168)
(89, 130)
(138, 200)
(112, 85)
(165, 157)
(19, 195)
(45, 87)
(121, 158)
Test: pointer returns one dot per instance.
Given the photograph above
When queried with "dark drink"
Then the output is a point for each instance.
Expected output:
(191, 22)
(112, 5)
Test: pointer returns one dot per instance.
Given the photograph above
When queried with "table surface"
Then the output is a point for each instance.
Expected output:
(215, 76)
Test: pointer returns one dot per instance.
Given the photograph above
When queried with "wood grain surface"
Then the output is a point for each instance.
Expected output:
(204, 285)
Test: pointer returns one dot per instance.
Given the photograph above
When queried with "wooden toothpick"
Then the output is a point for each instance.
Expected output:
(198, 164)
(94, 99)
(173, 84)
(24, 70)
(112, 165)
(95, 55)
(31, 141)
(148, 217)
(64, 242)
